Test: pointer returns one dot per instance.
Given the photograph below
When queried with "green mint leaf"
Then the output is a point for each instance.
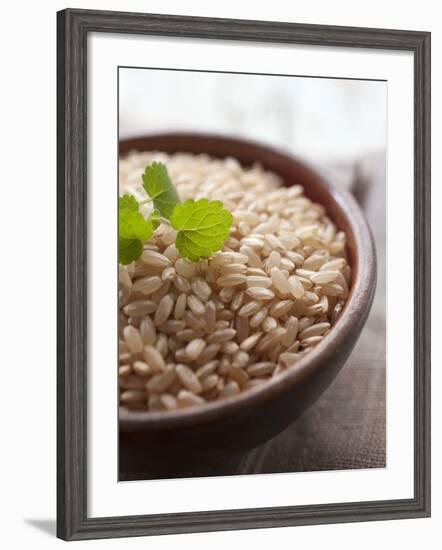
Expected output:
(132, 224)
(203, 227)
(158, 185)
(127, 202)
(133, 229)
(155, 218)
(129, 250)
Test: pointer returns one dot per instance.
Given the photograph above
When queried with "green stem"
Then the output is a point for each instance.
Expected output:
(146, 201)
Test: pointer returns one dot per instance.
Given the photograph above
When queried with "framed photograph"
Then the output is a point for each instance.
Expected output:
(243, 274)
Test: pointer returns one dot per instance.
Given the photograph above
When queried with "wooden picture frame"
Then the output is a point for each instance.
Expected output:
(73, 27)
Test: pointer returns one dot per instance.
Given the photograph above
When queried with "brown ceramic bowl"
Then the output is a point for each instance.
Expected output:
(250, 419)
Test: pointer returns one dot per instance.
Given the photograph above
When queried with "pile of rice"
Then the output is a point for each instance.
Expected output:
(191, 333)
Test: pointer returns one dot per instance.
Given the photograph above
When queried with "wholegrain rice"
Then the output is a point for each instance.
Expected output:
(209, 382)
(133, 339)
(241, 358)
(251, 341)
(281, 282)
(233, 268)
(311, 341)
(288, 359)
(164, 309)
(260, 293)
(210, 316)
(194, 348)
(168, 274)
(258, 317)
(142, 368)
(201, 289)
(226, 294)
(181, 283)
(271, 339)
(317, 329)
(195, 304)
(172, 325)
(232, 279)
(252, 258)
(187, 334)
(154, 359)
(289, 337)
(323, 277)
(258, 281)
(168, 401)
(261, 369)
(155, 259)
(282, 308)
(147, 285)
(269, 324)
(180, 306)
(162, 343)
(237, 301)
(124, 370)
(193, 321)
(296, 287)
(249, 309)
(229, 348)
(140, 308)
(133, 396)
(230, 389)
(132, 382)
(238, 374)
(223, 335)
(185, 268)
(187, 398)
(160, 382)
(207, 369)
(188, 378)
(193, 332)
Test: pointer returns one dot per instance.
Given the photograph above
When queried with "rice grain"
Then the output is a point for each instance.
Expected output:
(164, 309)
(220, 336)
(263, 368)
(186, 398)
(154, 359)
(133, 339)
(141, 368)
(147, 285)
(160, 382)
(194, 348)
(139, 308)
(155, 259)
(188, 378)
(259, 293)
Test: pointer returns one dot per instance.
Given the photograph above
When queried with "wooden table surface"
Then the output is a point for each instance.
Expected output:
(345, 428)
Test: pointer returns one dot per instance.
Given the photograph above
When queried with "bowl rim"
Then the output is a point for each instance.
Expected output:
(354, 313)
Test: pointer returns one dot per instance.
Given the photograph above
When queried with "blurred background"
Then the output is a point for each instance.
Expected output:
(320, 119)
(340, 126)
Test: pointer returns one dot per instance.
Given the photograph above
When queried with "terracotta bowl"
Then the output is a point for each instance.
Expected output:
(250, 419)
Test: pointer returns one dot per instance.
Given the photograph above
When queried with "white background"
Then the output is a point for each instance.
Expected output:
(28, 214)
(319, 119)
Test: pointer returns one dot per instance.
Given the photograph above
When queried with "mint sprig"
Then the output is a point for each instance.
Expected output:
(203, 226)
(133, 229)
(155, 218)
(159, 187)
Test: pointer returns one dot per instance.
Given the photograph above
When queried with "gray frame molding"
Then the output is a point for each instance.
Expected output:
(72, 29)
